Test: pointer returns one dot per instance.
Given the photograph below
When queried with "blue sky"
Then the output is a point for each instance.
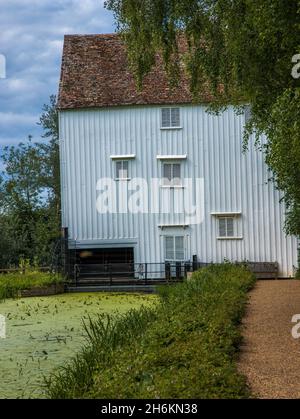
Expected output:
(31, 39)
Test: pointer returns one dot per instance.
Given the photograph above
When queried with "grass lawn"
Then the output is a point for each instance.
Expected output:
(185, 347)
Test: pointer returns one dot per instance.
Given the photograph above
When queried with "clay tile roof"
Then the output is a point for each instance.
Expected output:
(95, 73)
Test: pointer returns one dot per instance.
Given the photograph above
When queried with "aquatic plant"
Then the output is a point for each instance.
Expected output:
(184, 348)
(51, 335)
(104, 334)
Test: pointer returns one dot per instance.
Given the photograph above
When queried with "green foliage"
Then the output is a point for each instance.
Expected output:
(104, 336)
(12, 283)
(246, 45)
(24, 264)
(242, 51)
(50, 151)
(22, 188)
(30, 197)
(184, 348)
(283, 151)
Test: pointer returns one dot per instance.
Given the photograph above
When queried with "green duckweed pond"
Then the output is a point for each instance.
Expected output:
(43, 333)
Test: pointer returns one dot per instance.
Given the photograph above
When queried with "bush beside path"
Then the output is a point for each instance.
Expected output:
(185, 347)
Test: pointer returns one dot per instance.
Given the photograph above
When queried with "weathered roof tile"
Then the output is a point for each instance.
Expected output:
(95, 73)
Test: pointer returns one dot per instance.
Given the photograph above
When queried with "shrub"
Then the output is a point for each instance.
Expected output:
(185, 348)
(11, 284)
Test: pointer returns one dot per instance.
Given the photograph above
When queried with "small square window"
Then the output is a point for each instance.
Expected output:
(170, 117)
(226, 227)
(122, 169)
(172, 174)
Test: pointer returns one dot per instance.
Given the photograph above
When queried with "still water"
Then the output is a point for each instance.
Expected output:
(43, 333)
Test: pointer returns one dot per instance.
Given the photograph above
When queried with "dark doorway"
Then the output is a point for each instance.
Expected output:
(106, 256)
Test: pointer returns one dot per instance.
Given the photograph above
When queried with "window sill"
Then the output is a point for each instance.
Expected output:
(163, 226)
(170, 128)
(226, 214)
(123, 157)
(172, 157)
(230, 238)
(172, 187)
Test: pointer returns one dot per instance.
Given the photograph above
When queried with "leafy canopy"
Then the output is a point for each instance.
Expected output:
(30, 195)
(245, 46)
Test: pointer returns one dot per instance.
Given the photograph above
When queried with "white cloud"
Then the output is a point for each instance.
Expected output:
(32, 39)
(17, 118)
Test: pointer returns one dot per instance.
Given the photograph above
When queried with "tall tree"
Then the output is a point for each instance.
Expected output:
(241, 49)
(22, 191)
(50, 151)
(30, 195)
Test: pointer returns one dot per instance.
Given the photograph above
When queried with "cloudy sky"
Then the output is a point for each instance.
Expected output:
(31, 39)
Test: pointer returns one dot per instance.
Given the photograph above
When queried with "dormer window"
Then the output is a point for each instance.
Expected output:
(170, 118)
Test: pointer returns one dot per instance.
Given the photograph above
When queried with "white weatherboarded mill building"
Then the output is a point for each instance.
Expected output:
(130, 161)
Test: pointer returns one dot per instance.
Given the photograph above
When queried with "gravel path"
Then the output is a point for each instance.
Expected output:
(270, 356)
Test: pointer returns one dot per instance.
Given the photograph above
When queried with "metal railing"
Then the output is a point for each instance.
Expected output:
(144, 273)
(137, 272)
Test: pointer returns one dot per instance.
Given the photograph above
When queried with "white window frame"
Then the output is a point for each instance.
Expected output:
(116, 162)
(171, 125)
(237, 224)
(169, 183)
(175, 251)
(227, 236)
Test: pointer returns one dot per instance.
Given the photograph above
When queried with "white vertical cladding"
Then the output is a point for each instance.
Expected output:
(63, 172)
(233, 181)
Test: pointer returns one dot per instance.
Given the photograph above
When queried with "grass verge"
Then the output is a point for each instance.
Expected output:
(184, 348)
(11, 284)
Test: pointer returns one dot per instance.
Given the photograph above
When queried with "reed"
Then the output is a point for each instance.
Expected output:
(104, 335)
(185, 347)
